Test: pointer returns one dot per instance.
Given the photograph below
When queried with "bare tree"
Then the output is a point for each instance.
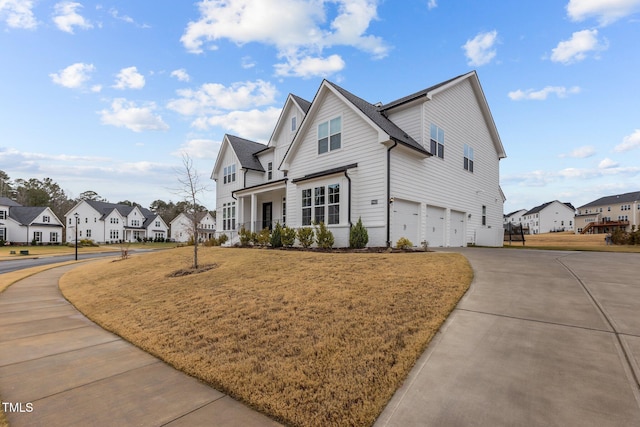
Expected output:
(190, 189)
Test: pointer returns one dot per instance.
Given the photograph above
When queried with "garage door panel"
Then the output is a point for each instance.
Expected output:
(435, 226)
(456, 229)
(406, 221)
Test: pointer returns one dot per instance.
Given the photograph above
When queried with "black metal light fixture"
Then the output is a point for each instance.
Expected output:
(77, 222)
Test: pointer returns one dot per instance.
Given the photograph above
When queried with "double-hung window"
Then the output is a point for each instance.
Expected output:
(229, 216)
(468, 158)
(334, 204)
(437, 141)
(330, 135)
(229, 174)
(269, 171)
(319, 204)
(306, 206)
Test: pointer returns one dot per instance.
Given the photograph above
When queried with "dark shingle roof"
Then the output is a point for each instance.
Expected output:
(544, 205)
(618, 198)
(303, 103)
(25, 214)
(416, 95)
(105, 208)
(377, 116)
(5, 201)
(246, 151)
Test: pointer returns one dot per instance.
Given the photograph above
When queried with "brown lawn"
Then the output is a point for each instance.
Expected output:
(308, 338)
(571, 241)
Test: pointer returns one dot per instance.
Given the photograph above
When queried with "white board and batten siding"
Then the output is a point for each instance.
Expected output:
(359, 144)
(448, 192)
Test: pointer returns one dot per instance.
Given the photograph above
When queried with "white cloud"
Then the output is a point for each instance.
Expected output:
(255, 124)
(431, 4)
(125, 113)
(576, 48)
(305, 30)
(66, 17)
(129, 78)
(629, 142)
(212, 97)
(18, 14)
(74, 76)
(247, 62)
(308, 67)
(199, 149)
(607, 163)
(480, 50)
(181, 75)
(606, 11)
(542, 94)
(580, 152)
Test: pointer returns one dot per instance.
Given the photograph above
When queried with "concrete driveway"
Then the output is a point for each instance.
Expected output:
(542, 338)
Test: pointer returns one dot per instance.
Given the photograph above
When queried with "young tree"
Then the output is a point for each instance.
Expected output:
(190, 190)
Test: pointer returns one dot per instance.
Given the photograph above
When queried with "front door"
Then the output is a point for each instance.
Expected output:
(267, 218)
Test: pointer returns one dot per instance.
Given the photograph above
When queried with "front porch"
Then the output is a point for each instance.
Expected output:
(262, 206)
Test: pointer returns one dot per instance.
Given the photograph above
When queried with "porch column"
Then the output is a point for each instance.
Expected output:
(254, 212)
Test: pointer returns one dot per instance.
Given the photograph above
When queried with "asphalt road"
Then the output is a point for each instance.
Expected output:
(19, 264)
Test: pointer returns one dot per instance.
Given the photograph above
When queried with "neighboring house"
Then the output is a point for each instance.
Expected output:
(609, 213)
(424, 167)
(515, 218)
(105, 222)
(182, 227)
(549, 217)
(26, 224)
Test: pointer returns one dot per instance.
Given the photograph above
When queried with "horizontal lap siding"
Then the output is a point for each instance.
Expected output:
(359, 144)
(444, 182)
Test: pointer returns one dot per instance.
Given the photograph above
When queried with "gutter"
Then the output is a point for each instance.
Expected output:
(346, 175)
(395, 143)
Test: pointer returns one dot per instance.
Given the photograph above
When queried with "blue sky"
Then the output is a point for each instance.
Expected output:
(105, 96)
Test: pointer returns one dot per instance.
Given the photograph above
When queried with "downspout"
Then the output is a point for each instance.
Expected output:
(349, 196)
(395, 143)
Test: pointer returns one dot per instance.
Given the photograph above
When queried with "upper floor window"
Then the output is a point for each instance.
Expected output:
(294, 123)
(484, 215)
(437, 141)
(3, 214)
(468, 158)
(229, 173)
(46, 218)
(330, 135)
(269, 170)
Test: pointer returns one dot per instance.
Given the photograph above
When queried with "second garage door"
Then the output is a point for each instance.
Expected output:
(435, 226)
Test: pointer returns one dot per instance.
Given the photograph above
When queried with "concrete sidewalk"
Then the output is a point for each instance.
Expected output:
(74, 373)
(542, 338)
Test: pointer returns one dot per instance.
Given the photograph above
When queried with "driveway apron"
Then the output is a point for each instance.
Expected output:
(57, 368)
(542, 338)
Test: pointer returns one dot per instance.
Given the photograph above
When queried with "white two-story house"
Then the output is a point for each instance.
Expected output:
(182, 227)
(549, 217)
(105, 222)
(28, 224)
(424, 167)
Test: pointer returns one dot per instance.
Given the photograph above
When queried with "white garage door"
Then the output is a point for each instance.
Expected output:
(406, 221)
(435, 226)
(456, 230)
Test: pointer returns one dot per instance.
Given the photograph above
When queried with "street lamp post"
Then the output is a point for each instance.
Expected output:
(77, 219)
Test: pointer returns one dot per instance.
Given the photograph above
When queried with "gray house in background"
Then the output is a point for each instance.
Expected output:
(26, 224)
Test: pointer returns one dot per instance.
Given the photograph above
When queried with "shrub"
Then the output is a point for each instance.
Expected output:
(276, 236)
(619, 237)
(211, 242)
(358, 235)
(222, 239)
(245, 236)
(264, 237)
(288, 236)
(305, 236)
(324, 237)
(404, 243)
